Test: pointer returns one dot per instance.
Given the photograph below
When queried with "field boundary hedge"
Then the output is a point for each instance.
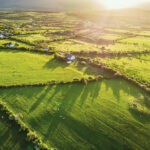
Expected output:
(28, 50)
(31, 137)
(117, 74)
(53, 82)
(109, 54)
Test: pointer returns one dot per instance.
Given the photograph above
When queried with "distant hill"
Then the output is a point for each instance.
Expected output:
(56, 5)
(49, 4)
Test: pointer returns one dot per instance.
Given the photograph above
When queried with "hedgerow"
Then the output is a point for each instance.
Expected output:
(31, 136)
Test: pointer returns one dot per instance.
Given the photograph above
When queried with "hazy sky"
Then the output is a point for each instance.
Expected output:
(116, 4)
(72, 4)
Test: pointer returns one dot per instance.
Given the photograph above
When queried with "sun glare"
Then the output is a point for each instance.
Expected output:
(119, 4)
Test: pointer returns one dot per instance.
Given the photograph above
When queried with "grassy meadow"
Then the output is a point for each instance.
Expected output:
(131, 66)
(109, 113)
(93, 116)
(18, 67)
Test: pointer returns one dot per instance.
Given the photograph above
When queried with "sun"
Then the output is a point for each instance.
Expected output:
(119, 4)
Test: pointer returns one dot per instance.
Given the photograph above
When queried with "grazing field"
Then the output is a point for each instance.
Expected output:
(74, 46)
(126, 47)
(80, 56)
(18, 67)
(131, 66)
(93, 116)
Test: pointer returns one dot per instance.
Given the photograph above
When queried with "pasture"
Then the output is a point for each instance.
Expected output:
(131, 66)
(18, 67)
(95, 116)
(63, 78)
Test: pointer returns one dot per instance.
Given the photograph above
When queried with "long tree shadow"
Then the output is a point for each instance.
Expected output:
(54, 63)
(83, 134)
(39, 100)
(72, 93)
(140, 116)
(58, 88)
(115, 87)
(92, 90)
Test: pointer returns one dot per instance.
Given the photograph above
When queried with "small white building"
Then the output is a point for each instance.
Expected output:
(12, 45)
(72, 58)
(17, 27)
(69, 62)
(1, 36)
(46, 48)
(33, 24)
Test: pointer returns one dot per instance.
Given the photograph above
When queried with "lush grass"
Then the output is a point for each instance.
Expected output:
(35, 38)
(138, 40)
(20, 44)
(75, 116)
(101, 115)
(18, 67)
(111, 36)
(132, 66)
(143, 57)
(126, 47)
(10, 137)
(74, 45)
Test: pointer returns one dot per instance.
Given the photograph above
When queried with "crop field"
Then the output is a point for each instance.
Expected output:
(74, 80)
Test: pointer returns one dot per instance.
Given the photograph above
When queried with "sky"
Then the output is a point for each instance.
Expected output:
(118, 4)
(72, 4)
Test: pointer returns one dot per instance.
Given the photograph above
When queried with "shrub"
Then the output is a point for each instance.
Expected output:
(84, 81)
(31, 136)
(59, 57)
(83, 63)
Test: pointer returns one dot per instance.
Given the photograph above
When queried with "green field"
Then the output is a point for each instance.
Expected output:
(131, 66)
(18, 67)
(86, 105)
(75, 115)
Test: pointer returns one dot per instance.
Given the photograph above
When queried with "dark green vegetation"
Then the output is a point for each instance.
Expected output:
(10, 137)
(110, 114)
(95, 116)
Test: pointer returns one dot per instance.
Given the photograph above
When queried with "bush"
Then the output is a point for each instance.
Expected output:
(83, 63)
(84, 81)
(59, 57)
(76, 79)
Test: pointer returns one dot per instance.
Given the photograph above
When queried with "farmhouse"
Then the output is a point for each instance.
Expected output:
(5, 33)
(1, 36)
(69, 62)
(46, 48)
(70, 57)
(33, 24)
(10, 45)
(17, 27)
